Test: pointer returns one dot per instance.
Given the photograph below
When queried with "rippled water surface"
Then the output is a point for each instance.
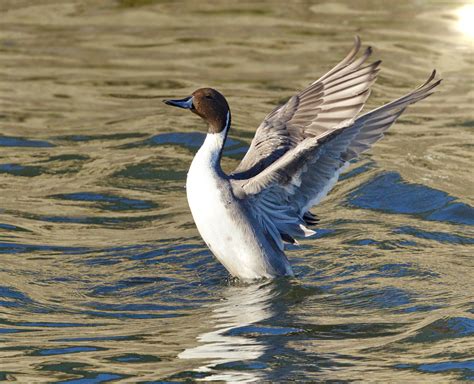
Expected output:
(103, 276)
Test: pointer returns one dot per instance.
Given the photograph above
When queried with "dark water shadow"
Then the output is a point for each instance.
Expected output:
(389, 193)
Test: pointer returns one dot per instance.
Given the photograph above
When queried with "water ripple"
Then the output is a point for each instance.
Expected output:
(103, 275)
(389, 193)
(12, 141)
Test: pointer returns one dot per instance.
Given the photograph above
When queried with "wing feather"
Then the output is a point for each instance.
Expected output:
(282, 193)
(330, 102)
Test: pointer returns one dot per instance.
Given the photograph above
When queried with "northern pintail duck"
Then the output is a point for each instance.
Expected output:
(294, 160)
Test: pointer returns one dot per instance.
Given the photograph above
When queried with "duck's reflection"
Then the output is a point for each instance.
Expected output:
(241, 307)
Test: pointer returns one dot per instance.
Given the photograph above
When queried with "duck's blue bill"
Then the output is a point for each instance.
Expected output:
(186, 103)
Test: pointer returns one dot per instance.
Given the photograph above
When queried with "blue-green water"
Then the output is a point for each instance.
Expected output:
(103, 276)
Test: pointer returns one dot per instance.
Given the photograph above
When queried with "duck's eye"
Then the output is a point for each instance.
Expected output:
(208, 97)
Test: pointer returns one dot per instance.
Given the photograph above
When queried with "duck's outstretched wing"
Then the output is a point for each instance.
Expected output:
(330, 102)
(282, 193)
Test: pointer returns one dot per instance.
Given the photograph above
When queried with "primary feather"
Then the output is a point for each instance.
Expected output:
(332, 101)
(301, 147)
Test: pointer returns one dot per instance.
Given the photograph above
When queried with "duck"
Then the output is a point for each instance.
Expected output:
(247, 217)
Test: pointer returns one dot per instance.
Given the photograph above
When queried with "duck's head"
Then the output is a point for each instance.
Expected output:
(209, 104)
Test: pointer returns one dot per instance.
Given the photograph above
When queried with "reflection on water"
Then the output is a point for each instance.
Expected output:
(232, 318)
(103, 276)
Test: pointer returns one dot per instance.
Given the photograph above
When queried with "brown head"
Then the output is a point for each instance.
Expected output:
(208, 104)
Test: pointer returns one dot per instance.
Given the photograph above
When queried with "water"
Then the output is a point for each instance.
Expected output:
(103, 276)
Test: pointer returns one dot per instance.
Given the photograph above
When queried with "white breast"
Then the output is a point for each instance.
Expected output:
(230, 237)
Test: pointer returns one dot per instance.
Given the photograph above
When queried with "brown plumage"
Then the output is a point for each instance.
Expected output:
(210, 105)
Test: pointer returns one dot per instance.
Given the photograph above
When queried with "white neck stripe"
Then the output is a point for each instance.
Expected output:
(227, 121)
